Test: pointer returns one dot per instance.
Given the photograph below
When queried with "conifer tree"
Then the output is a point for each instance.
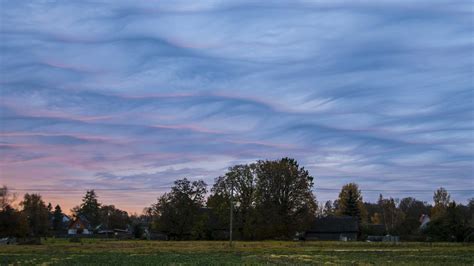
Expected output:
(350, 201)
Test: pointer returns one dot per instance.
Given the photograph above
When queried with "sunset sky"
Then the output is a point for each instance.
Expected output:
(126, 96)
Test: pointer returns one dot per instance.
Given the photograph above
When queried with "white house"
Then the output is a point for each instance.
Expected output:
(424, 220)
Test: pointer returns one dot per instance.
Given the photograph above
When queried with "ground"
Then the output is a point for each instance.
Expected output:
(90, 251)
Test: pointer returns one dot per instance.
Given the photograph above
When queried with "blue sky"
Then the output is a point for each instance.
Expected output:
(117, 95)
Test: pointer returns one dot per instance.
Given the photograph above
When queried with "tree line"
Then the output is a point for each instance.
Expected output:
(270, 199)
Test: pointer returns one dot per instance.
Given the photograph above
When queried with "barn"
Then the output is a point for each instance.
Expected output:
(334, 228)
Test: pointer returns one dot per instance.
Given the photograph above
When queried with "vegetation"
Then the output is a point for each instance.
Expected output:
(135, 252)
(350, 202)
(284, 201)
(268, 200)
(450, 225)
(58, 224)
(37, 214)
(90, 208)
(177, 212)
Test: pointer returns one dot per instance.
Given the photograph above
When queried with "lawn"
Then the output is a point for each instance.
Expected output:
(90, 251)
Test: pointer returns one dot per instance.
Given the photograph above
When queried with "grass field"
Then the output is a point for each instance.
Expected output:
(136, 252)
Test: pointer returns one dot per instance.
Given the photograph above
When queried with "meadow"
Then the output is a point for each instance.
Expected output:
(137, 252)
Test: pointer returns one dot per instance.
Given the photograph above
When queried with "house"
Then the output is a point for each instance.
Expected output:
(79, 226)
(59, 227)
(66, 219)
(424, 220)
(334, 228)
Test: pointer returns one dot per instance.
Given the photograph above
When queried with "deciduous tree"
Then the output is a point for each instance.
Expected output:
(284, 200)
(113, 218)
(36, 214)
(242, 179)
(176, 212)
(449, 226)
(6, 197)
(412, 210)
(392, 217)
(441, 199)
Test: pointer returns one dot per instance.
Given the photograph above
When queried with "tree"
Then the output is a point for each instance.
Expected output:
(470, 205)
(284, 201)
(176, 212)
(12, 223)
(328, 209)
(242, 178)
(90, 208)
(392, 217)
(441, 199)
(6, 197)
(412, 210)
(36, 214)
(113, 218)
(58, 224)
(138, 225)
(350, 201)
(449, 226)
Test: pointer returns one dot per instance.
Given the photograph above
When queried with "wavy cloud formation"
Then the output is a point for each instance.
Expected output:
(119, 95)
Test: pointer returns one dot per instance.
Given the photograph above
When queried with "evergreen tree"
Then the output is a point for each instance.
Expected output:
(58, 215)
(90, 208)
(350, 201)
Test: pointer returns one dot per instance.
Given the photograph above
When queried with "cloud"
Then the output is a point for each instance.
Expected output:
(147, 91)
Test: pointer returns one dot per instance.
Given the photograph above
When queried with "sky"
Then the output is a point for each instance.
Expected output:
(127, 96)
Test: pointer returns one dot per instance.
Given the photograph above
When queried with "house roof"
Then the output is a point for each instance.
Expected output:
(80, 219)
(66, 218)
(335, 224)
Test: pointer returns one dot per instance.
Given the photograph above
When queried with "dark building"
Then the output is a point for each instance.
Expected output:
(334, 228)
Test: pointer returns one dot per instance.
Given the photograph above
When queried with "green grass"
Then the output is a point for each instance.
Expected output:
(136, 252)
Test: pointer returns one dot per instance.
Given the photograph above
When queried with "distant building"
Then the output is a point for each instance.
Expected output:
(375, 229)
(66, 219)
(79, 226)
(424, 220)
(344, 228)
